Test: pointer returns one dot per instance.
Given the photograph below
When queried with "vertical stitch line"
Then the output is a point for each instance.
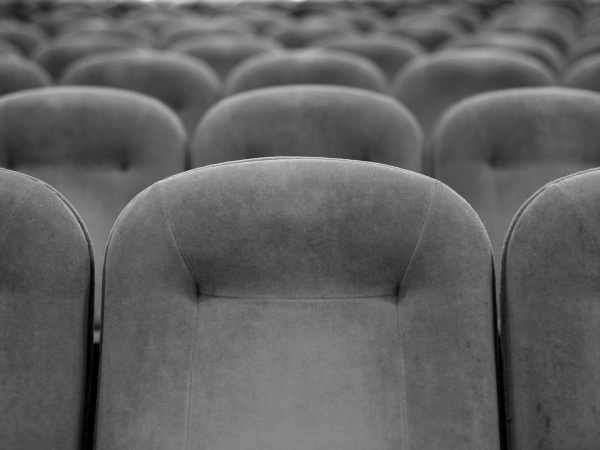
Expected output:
(403, 435)
(191, 377)
(403, 423)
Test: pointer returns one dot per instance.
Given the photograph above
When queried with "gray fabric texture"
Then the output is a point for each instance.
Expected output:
(298, 303)
(46, 283)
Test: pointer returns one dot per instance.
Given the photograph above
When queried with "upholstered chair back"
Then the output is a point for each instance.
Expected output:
(430, 84)
(550, 288)
(46, 286)
(325, 121)
(189, 87)
(390, 53)
(17, 74)
(497, 149)
(97, 146)
(310, 66)
(298, 303)
(224, 52)
(583, 74)
(56, 56)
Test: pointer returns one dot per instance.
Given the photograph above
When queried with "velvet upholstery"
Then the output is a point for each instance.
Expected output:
(310, 66)
(46, 283)
(188, 86)
(323, 121)
(97, 146)
(496, 149)
(298, 303)
(550, 287)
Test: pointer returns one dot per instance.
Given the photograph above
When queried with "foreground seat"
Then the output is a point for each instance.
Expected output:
(497, 149)
(46, 283)
(550, 288)
(97, 146)
(327, 121)
(298, 303)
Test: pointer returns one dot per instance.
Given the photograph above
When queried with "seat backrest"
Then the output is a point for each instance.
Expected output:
(56, 56)
(525, 43)
(17, 74)
(188, 86)
(46, 286)
(549, 293)
(97, 146)
(583, 74)
(497, 149)
(390, 53)
(323, 121)
(430, 84)
(310, 66)
(298, 303)
(224, 52)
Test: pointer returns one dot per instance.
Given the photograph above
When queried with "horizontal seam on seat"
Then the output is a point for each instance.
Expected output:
(228, 297)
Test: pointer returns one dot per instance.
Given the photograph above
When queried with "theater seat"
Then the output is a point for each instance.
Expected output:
(550, 288)
(390, 53)
(17, 74)
(583, 74)
(310, 66)
(327, 121)
(496, 149)
(46, 285)
(224, 52)
(188, 86)
(429, 85)
(298, 303)
(97, 146)
(56, 56)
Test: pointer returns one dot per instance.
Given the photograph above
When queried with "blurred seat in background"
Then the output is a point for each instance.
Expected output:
(298, 303)
(497, 149)
(188, 86)
(390, 53)
(17, 74)
(26, 37)
(428, 30)
(583, 74)
(56, 56)
(429, 85)
(325, 121)
(224, 52)
(307, 66)
(527, 44)
(550, 307)
(46, 287)
(97, 146)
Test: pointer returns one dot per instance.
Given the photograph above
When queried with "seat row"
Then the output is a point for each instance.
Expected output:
(100, 147)
(300, 303)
